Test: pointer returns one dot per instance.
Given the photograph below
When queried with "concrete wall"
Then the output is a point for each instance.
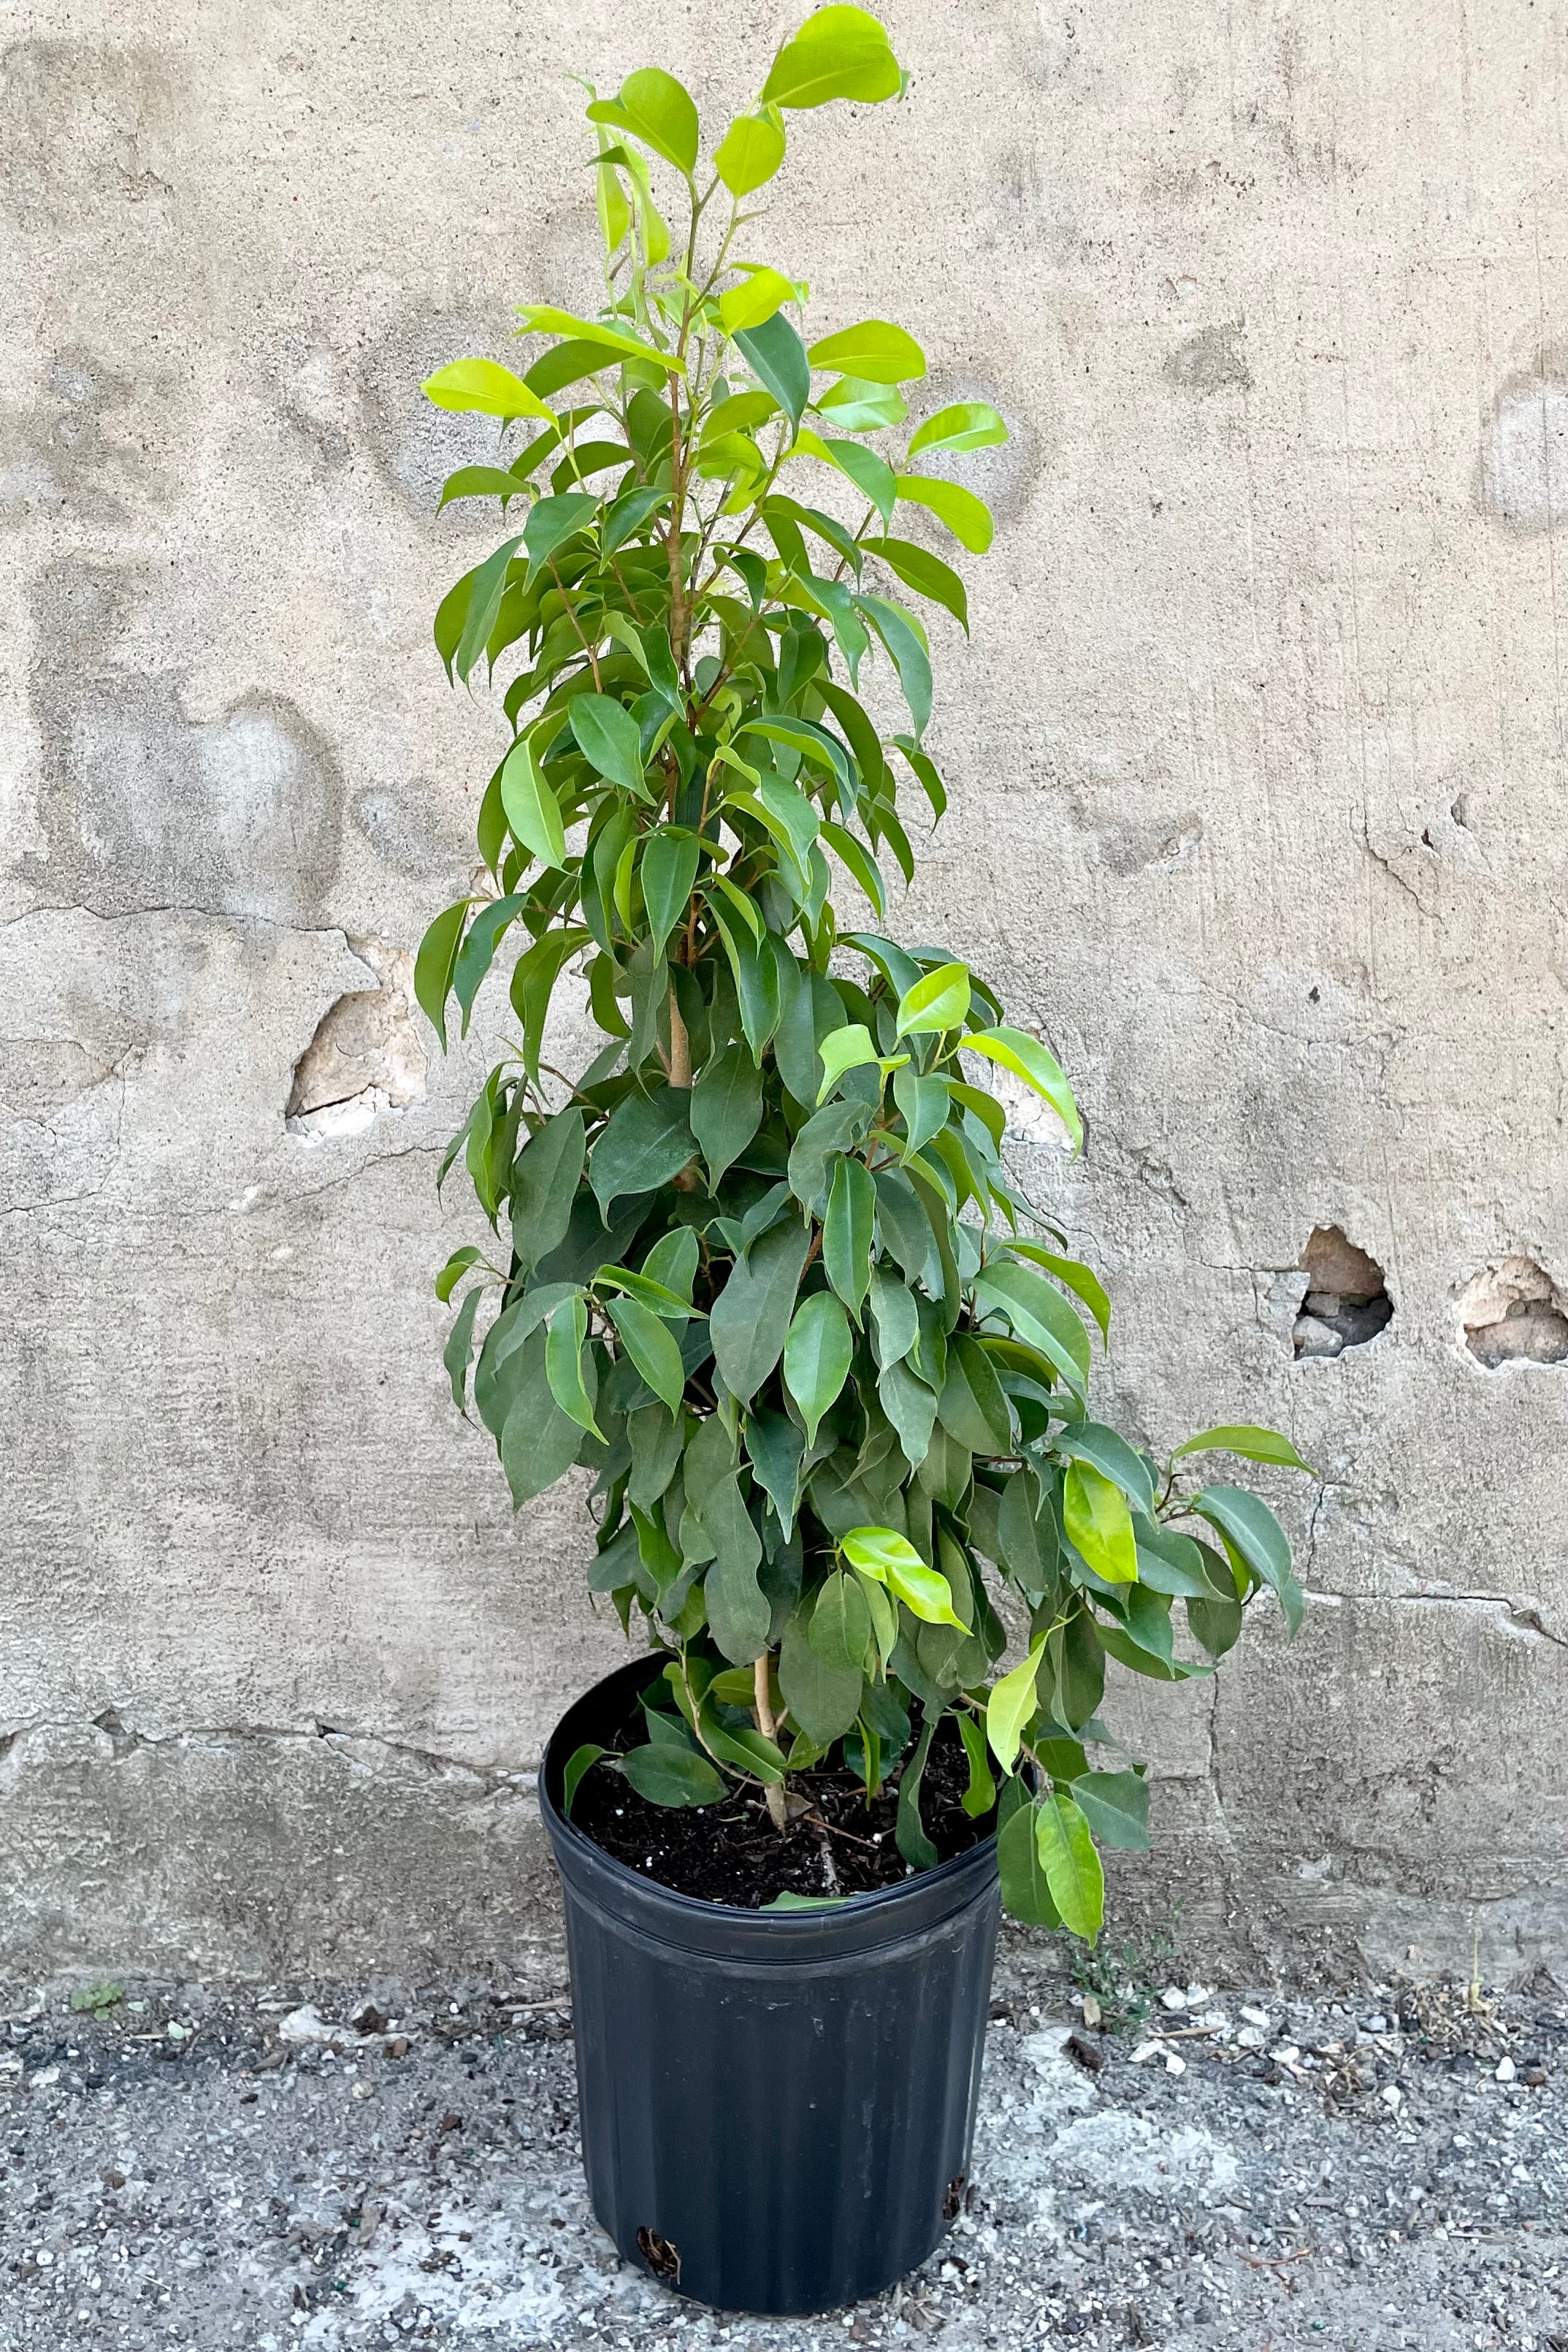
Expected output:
(1258, 812)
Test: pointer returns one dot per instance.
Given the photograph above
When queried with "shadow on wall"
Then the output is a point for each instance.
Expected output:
(1346, 1303)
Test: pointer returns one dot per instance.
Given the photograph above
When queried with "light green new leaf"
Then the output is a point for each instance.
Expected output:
(968, 424)
(654, 107)
(925, 573)
(839, 52)
(652, 1349)
(854, 405)
(532, 810)
(966, 517)
(848, 1049)
(486, 388)
(1252, 1443)
(1096, 1515)
(579, 1761)
(893, 1561)
(981, 1793)
(817, 1353)
(565, 1362)
(1011, 1705)
(544, 319)
(1027, 1059)
(749, 305)
(749, 152)
(938, 1000)
(875, 351)
(456, 1266)
(1080, 1278)
(1072, 1866)
(847, 1231)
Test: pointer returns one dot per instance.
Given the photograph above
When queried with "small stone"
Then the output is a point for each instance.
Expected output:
(1092, 2012)
(1145, 2050)
(1251, 2037)
(1175, 2064)
(1254, 2016)
(1172, 1998)
(1311, 1338)
(1392, 2096)
(1375, 2024)
(1505, 2070)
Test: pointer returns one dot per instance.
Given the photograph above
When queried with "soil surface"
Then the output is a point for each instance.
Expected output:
(731, 1853)
(221, 2171)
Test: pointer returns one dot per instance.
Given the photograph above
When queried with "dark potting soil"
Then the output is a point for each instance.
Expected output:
(731, 1853)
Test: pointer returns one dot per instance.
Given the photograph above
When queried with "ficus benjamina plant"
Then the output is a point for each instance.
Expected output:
(761, 1267)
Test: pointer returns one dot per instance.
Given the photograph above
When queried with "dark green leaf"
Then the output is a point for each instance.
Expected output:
(577, 1764)
(752, 1313)
(727, 1109)
(972, 1406)
(669, 870)
(648, 1141)
(777, 358)
(1026, 1895)
(840, 1629)
(666, 1775)
(436, 963)
(544, 1184)
(818, 1352)
(909, 1830)
(609, 739)
(1091, 1441)
(822, 1700)
(1253, 1444)
(460, 1347)
(925, 572)
(848, 1232)
(651, 1348)
(1116, 1807)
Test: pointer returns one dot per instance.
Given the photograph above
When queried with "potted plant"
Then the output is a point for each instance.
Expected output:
(761, 1269)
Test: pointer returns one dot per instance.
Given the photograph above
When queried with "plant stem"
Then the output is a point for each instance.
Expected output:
(767, 1724)
(680, 1047)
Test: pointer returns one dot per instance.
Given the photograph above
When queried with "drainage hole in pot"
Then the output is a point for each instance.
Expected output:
(660, 2257)
(953, 2203)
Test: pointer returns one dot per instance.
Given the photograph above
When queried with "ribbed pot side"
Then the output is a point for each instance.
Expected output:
(776, 2107)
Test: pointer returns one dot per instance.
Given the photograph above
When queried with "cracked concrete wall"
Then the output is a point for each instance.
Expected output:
(1256, 812)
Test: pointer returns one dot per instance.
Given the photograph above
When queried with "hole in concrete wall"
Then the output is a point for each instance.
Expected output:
(1514, 1313)
(365, 1057)
(1346, 1304)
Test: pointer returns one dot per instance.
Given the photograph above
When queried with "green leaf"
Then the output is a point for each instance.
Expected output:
(777, 358)
(754, 302)
(564, 1361)
(456, 1266)
(840, 1631)
(479, 949)
(534, 977)
(925, 572)
(848, 1232)
(480, 482)
(532, 810)
(893, 1561)
(822, 1700)
(818, 1352)
(553, 522)
(672, 1262)
(749, 152)
(1026, 1895)
(967, 425)
(577, 1764)
(856, 406)
(739, 1614)
(1027, 1059)
(486, 388)
(910, 1407)
(543, 319)
(669, 872)
(966, 517)
(909, 1830)
(790, 1902)
(1250, 1525)
(648, 1141)
(871, 472)
(751, 1315)
(460, 1347)
(1116, 1808)
(545, 1178)
(435, 964)
(874, 350)
(776, 1447)
(666, 1775)
(1080, 1278)
(973, 1406)
(1072, 1866)
(652, 1349)
(539, 1441)
(839, 52)
(1011, 1705)
(848, 1049)
(727, 1109)
(654, 107)
(1091, 1441)
(1253, 1444)
(938, 1000)
(1097, 1519)
(896, 1317)
(865, 870)
(1039, 1314)
(609, 739)
(981, 1793)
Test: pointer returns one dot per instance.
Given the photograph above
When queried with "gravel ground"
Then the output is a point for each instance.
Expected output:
(197, 2168)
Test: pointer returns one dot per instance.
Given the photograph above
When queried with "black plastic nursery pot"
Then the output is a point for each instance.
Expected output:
(776, 2107)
